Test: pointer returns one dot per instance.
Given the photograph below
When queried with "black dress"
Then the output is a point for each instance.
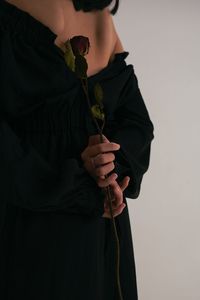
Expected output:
(54, 242)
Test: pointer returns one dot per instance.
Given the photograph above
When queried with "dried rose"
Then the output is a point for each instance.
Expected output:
(75, 49)
(80, 45)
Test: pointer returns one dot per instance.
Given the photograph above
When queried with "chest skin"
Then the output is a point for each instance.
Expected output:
(62, 18)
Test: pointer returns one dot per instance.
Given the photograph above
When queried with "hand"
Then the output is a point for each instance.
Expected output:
(117, 203)
(98, 159)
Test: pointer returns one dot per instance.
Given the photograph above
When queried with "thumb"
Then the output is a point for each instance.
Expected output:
(95, 139)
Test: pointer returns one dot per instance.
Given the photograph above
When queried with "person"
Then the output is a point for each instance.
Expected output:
(56, 239)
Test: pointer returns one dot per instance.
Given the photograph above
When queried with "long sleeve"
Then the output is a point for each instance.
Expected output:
(32, 74)
(133, 130)
(34, 185)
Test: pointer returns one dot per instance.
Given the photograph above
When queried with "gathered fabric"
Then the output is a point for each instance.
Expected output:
(54, 242)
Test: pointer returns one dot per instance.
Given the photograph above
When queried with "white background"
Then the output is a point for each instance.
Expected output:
(163, 38)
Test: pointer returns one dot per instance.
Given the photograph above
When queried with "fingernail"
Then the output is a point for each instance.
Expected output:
(118, 145)
(115, 175)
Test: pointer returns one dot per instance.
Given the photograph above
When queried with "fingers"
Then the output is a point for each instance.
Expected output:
(95, 139)
(99, 149)
(116, 211)
(124, 183)
(104, 182)
(94, 150)
(103, 158)
(104, 169)
(117, 193)
(103, 164)
(98, 157)
(117, 204)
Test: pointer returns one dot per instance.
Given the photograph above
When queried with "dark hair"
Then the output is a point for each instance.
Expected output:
(115, 7)
(89, 5)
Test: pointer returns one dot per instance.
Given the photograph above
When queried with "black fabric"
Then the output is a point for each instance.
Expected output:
(89, 5)
(54, 242)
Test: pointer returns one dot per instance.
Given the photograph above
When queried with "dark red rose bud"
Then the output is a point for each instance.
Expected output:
(80, 45)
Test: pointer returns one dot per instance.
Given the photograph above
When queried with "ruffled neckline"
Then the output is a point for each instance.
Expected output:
(22, 22)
